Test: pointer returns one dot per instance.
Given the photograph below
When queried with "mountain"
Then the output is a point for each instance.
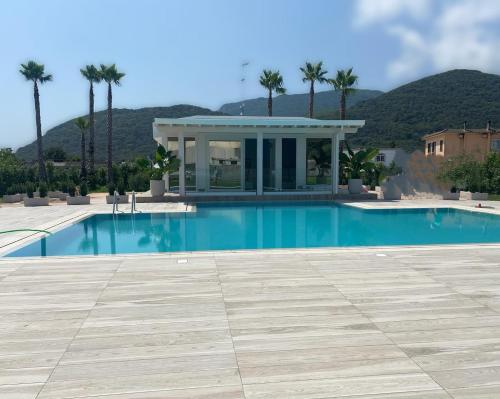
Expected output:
(296, 104)
(402, 116)
(132, 132)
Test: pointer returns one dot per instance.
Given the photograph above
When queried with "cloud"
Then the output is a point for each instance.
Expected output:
(458, 34)
(375, 11)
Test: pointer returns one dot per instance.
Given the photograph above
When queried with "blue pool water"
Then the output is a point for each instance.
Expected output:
(275, 225)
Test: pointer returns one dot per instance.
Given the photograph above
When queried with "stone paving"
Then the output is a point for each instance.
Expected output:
(360, 323)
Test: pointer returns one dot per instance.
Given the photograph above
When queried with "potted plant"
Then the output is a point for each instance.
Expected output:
(31, 200)
(82, 198)
(122, 196)
(355, 165)
(164, 162)
(13, 194)
(453, 194)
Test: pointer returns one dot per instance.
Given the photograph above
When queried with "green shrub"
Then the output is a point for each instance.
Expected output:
(43, 190)
(71, 189)
(30, 189)
(11, 190)
(139, 182)
(121, 187)
(111, 189)
(84, 190)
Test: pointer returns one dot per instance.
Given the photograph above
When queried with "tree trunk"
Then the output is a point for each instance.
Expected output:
(342, 105)
(83, 161)
(270, 103)
(42, 172)
(110, 135)
(91, 130)
(311, 100)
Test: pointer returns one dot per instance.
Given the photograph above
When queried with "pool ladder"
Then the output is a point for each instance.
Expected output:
(116, 201)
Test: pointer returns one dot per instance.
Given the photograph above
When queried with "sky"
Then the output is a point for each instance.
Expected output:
(191, 51)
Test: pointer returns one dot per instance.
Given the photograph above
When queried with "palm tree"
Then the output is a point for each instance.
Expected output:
(344, 82)
(82, 124)
(272, 81)
(111, 76)
(36, 73)
(93, 75)
(313, 73)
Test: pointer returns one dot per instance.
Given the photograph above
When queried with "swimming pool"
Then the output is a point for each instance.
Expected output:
(265, 225)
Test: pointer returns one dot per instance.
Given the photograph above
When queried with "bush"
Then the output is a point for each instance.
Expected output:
(121, 187)
(111, 189)
(84, 190)
(71, 189)
(139, 182)
(11, 190)
(43, 190)
(30, 189)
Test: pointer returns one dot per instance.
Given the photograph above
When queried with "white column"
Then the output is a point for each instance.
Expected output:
(335, 163)
(279, 164)
(164, 143)
(300, 161)
(260, 158)
(182, 169)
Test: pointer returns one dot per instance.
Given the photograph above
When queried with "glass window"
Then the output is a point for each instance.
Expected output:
(433, 150)
(319, 159)
(380, 157)
(173, 179)
(269, 165)
(225, 165)
(495, 145)
(190, 163)
(441, 146)
(429, 148)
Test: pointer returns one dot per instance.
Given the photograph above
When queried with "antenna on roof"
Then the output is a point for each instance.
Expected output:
(465, 125)
(243, 80)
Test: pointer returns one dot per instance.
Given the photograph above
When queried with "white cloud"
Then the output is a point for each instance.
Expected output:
(375, 11)
(458, 34)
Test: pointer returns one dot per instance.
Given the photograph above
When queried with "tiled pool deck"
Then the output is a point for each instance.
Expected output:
(394, 323)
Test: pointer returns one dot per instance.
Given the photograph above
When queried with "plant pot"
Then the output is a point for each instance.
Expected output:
(391, 191)
(12, 198)
(79, 200)
(157, 188)
(451, 196)
(468, 195)
(57, 194)
(36, 201)
(122, 199)
(355, 186)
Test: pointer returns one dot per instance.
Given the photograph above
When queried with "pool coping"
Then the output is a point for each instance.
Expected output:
(64, 222)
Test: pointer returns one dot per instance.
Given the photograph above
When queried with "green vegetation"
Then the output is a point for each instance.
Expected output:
(273, 82)
(164, 162)
(403, 115)
(356, 165)
(344, 83)
(466, 173)
(82, 124)
(132, 133)
(92, 74)
(111, 76)
(313, 73)
(36, 73)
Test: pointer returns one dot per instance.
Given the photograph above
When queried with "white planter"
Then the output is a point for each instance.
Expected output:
(355, 186)
(36, 201)
(10, 199)
(157, 188)
(122, 199)
(391, 191)
(57, 194)
(79, 200)
(451, 196)
(467, 195)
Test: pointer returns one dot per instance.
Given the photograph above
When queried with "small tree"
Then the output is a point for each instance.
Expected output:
(355, 165)
(273, 82)
(82, 124)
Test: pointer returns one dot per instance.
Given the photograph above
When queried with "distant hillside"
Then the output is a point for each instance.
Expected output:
(132, 132)
(401, 116)
(296, 104)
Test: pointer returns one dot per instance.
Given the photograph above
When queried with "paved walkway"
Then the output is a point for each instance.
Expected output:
(256, 325)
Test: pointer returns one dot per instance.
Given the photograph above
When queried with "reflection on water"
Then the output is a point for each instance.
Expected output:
(247, 226)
